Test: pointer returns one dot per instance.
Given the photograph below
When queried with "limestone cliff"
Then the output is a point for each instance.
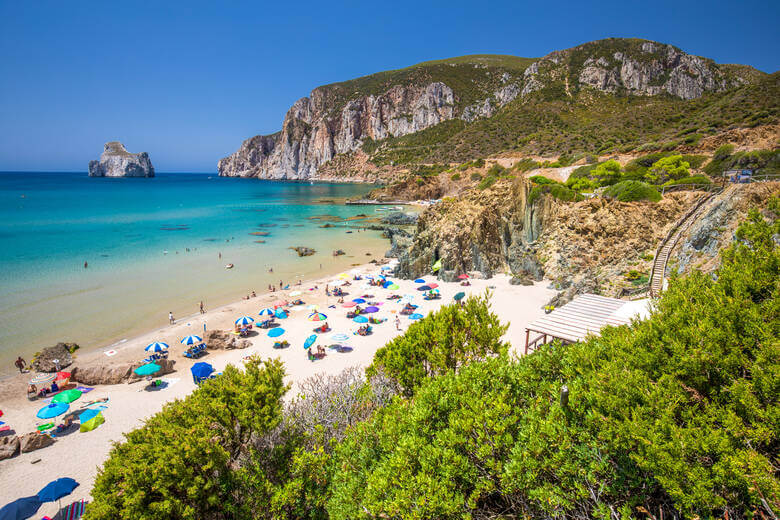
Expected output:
(116, 161)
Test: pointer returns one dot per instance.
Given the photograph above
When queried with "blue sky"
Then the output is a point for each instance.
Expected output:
(188, 81)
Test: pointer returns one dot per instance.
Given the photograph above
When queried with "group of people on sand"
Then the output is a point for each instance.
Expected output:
(251, 295)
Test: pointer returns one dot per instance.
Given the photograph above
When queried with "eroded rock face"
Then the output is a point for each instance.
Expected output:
(34, 441)
(116, 161)
(224, 340)
(9, 446)
(115, 374)
(61, 353)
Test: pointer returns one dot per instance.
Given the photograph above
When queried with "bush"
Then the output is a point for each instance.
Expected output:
(476, 176)
(487, 182)
(672, 167)
(723, 152)
(579, 183)
(629, 191)
(442, 342)
(561, 192)
(693, 179)
(455, 177)
(496, 170)
(525, 165)
(607, 173)
(541, 179)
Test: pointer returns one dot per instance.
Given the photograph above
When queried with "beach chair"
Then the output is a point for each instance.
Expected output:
(74, 511)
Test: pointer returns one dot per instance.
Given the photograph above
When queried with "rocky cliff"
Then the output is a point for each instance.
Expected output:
(116, 161)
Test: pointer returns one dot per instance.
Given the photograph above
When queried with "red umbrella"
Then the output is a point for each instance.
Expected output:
(62, 375)
(462, 276)
(349, 304)
(279, 303)
(433, 285)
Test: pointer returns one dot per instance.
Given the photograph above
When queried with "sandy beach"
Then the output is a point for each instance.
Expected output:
(79, 455)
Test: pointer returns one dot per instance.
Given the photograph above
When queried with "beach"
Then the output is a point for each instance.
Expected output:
(79, 455)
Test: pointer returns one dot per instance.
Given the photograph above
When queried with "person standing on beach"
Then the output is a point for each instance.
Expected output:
(85, 264)
(202, 311)
(220, 255)
(20, 363)
(280, 284)
(397, 323)
(170, 318)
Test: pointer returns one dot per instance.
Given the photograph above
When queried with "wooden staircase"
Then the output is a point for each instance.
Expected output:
(668, 244)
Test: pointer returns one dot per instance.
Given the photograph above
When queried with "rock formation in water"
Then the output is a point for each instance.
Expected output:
(116, 161)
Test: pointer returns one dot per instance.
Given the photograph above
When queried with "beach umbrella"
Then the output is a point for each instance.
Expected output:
(52, 410)
(359, 300)
(424, 288)
(157, 346)
(42, 379)
(387, 284)
(419, 280)
(436, 266)
(91, 424)
(88, 414)
(339, 337)
(296, 293)
(463, 276)
(317, 316)
(244, 320)
(191, 340)
(393, 287)
(280, 314)
(280, 303)
(21, 509)
(275, 333)
(371, 309)
(360, 319)
(147, 369)
(61, 376)
(266, 312)
(201, 369)
(459, 296)
(415, 316)
(433, 285)
(310, 341)
(66, 396)
(343, 276)
(348, 305)
(56, 489)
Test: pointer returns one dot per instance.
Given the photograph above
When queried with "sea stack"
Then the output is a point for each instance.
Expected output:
(116, 161)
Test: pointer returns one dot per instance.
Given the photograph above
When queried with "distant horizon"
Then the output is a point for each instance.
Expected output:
(205, 77)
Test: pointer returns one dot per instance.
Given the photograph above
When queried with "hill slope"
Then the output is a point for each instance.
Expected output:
(614, 91)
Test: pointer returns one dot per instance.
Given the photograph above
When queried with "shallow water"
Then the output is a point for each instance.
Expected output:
(152, 246)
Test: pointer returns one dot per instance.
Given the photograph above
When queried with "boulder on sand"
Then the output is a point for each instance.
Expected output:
(224, 340)
(34, 441)
(303, 250)
(9, 446)
(115, 374)
(45, 361)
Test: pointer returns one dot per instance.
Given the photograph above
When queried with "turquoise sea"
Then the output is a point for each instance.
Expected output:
(153, 246)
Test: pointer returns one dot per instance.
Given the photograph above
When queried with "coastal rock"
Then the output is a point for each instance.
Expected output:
(400, 219)
(116, 161)
(224, 340)
(115, 374)
(9, 446)
(303, 250)
(34, 441)
(45, 361)
(339, 252)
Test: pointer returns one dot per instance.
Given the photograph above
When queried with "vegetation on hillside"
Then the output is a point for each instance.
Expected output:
(674, 416)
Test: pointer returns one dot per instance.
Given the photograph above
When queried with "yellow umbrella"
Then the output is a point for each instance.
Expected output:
(343, 276)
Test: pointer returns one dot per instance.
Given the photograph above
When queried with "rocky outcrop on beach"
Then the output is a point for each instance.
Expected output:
(400, 218)
(116, 161)
(116, 374)
(52, 359)
(224, 340)
(9, 446)
(34, 441)
(303, 250)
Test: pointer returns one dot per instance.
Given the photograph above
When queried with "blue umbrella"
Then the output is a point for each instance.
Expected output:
(244, 320)
(424, 288)
(201, 370)
(360, 319)
(415, 316)
(191, 340)
(310, 341)
(147, 369)
(52, 410)
(369, 310)
(157, 346)
(387, 284)
(21, 509)
(56, 489)
(275, 333)
(266, 312)
(280, 314)
(359, 300)
(88, 414)
(419, 280)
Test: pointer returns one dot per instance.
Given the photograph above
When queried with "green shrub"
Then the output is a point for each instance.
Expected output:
(579, 183)
(496, 170)
(629, 191)
(561, 192)
(693, 179)
(672, 167)
(525, 165)
(487, 182)
(541, 179)
(607, 173)
(723, 152)
(476, 176)
(455, 177)
(583, 171)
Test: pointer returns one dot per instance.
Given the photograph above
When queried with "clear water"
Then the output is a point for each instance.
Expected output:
(51, 223)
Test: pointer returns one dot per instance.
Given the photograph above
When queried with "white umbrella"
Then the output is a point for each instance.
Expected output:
(42, 378)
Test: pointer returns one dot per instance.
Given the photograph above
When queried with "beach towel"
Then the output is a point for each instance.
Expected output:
(110, 353)
(84, 389)
(99, 408)
(171, 380)
(74, 511)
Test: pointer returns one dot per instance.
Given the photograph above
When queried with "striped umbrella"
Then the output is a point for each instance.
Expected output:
(244, 320)
(157, 346)
(317, 316)
(266, 312)
(42, 379)
(191, 340)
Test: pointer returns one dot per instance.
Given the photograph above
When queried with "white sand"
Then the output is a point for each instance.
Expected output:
(78, 455)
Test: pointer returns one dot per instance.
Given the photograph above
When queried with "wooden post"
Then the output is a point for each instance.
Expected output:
(527, 332)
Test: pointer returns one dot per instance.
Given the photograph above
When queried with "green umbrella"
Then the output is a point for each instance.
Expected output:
(459, 296)
(66, 396)
(147, 370)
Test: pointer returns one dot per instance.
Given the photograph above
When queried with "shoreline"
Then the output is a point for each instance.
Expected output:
(79, 455)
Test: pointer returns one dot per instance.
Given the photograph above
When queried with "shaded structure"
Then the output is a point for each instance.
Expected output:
(585, 314)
